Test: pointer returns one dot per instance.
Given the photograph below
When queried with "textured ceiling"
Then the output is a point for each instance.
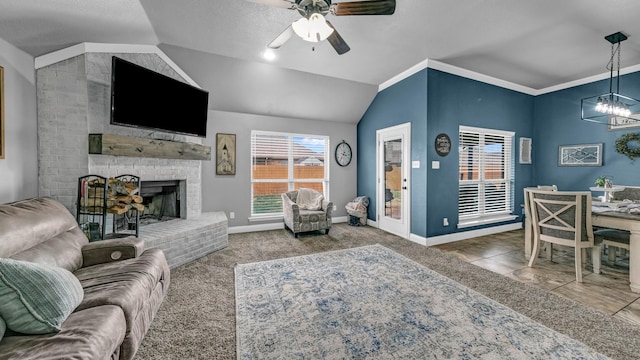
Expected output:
(535, 44)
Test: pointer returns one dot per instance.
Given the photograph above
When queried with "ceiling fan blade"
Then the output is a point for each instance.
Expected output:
(282, 38)
(374, 7)
(285, 4)
(337, 41)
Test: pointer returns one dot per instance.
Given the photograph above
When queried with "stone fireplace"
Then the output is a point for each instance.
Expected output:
(74, 101)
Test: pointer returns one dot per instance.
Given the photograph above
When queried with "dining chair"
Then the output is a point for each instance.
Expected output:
(563, 218)
(527, 218)
(613, 239)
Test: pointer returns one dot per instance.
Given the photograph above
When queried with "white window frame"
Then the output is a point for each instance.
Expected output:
(290, 163)
(482, 217)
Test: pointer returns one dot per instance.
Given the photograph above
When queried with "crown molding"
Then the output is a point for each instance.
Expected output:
(454, 70)
(587, 80)
(83, 48)
(437, 65)
(405, 74)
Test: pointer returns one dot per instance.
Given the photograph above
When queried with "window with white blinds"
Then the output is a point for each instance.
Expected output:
(282, 162)
(485, 170)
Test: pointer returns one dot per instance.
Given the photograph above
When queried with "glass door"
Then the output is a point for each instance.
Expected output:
(393, 179)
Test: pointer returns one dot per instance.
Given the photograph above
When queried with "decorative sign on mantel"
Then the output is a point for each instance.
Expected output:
(120, 145)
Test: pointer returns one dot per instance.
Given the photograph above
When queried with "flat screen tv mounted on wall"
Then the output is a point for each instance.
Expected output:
(146, 99)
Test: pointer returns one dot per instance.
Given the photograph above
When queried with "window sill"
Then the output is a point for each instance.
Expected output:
(260, 218)
(485, 220)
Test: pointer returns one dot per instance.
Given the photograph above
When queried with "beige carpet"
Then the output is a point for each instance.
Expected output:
(197, 319)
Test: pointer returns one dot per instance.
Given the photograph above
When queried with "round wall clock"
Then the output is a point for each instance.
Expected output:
(443, 144)
(343, 154)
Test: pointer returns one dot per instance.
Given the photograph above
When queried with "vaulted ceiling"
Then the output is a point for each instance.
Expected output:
(219, 43)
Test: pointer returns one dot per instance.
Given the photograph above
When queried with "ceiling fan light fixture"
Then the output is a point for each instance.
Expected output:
(313, 29)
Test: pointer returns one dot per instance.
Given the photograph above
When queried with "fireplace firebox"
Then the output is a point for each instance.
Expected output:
(161, 200)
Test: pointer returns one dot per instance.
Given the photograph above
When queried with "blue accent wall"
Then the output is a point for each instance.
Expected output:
(557, 122)
(454, 101)
(404, 102)
(437, 102)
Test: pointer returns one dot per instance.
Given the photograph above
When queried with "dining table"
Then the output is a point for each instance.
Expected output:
(609, 218)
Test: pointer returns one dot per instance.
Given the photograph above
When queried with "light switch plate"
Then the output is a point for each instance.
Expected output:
(415, 164)
(435, 164)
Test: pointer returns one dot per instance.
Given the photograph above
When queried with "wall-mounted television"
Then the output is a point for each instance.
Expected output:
(146, 99)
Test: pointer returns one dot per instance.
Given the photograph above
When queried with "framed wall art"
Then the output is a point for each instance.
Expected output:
(225, 154)
(619, 123)
(1, 112)
(525, 150)
(580, 155)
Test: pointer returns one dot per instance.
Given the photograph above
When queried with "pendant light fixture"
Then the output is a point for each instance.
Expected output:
(612, 108)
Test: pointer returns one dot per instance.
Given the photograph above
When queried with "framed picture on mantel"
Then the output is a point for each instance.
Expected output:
(225, 154)
(1, 112)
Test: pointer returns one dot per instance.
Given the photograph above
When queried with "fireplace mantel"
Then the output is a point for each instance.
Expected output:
(121, 145)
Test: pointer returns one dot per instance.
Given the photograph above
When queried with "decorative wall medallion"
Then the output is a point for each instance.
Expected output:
(443, 144)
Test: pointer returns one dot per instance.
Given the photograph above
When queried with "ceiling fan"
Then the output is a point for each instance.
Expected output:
(314, 27)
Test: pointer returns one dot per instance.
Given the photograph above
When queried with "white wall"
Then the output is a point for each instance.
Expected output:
(233, 192)
(19, 168)
(252, 87)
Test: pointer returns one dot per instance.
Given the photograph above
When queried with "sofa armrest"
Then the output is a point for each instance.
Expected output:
(327, 207)
(110, 250)
(290, 209)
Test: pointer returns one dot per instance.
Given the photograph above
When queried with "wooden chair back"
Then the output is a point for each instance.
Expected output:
(561, 217)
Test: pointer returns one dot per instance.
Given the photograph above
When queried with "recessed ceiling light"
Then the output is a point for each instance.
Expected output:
(269, 55)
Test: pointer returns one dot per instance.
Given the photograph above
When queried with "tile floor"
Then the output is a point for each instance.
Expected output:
(504, 254)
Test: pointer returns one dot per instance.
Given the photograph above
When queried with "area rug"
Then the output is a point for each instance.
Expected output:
(371, 302)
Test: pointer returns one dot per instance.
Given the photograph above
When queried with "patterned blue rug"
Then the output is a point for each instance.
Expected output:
(373, 303)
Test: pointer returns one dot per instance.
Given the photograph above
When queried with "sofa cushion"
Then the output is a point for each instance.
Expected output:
(94, 333)
(41, 230)
(36, 298)
(127, 283)
(312, 216)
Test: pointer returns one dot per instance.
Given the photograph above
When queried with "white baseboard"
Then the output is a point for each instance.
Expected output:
(431, 241)
(418, 239)
(273, 226)
(252, 228)
(443, 239)
(339, 219)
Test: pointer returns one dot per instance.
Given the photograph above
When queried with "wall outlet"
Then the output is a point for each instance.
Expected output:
(232, 215)
(445, 222)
